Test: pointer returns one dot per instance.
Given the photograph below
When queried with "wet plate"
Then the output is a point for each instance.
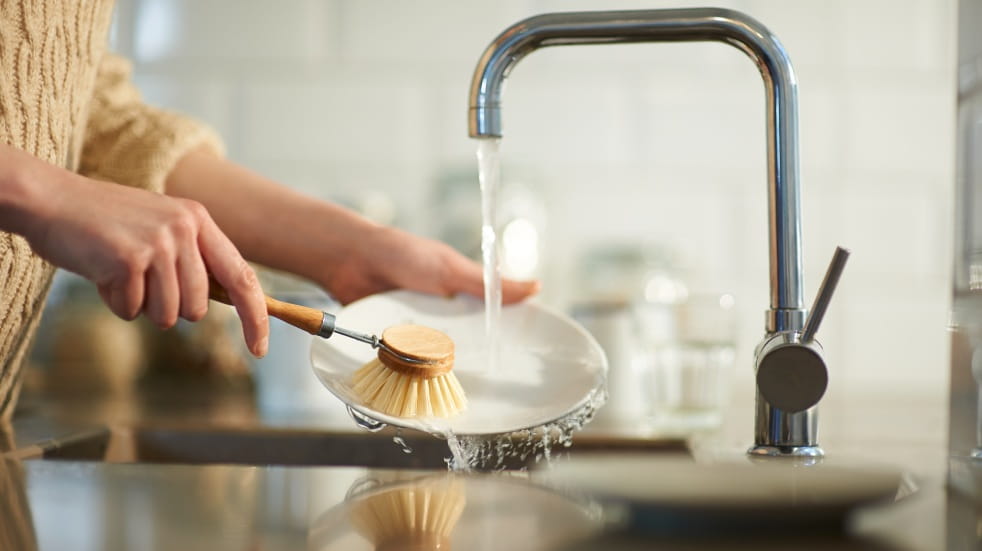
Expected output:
(549, 366)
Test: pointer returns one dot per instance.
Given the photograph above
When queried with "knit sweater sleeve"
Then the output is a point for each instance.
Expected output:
(129, 142)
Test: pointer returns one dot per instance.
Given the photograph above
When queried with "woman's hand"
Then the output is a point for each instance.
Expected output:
(145, 252)
(388, 258)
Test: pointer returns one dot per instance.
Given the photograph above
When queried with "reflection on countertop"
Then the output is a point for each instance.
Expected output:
(136, 504)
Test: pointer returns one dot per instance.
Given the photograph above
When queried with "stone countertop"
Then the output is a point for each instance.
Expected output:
(100, 505)
(93, 505)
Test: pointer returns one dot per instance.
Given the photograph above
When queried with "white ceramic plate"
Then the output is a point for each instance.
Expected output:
(549, 366)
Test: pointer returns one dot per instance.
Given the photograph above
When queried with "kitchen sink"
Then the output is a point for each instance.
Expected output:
(386, 449)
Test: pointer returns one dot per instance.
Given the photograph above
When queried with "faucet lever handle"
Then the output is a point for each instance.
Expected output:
(791, 374)
(825, 294)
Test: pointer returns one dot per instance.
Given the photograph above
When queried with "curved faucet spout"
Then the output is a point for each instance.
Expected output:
(685, 25)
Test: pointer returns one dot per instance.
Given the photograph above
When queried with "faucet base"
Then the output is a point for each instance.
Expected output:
(762, 450)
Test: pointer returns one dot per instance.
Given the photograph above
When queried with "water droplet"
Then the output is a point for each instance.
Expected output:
(406, 448)
(365, 421)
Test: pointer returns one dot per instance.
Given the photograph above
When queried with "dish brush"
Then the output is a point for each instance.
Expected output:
(410, 377)
(423, 386)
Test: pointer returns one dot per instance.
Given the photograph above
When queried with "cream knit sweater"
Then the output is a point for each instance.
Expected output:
(67, 101)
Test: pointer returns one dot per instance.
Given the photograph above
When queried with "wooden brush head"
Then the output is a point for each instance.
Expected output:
(431, 350)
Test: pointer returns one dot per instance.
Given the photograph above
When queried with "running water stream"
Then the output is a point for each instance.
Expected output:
(489, 174)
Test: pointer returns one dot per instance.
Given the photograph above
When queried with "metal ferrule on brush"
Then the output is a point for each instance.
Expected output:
(329, 327)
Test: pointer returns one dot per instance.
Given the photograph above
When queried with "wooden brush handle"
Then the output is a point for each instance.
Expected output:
(301, 317)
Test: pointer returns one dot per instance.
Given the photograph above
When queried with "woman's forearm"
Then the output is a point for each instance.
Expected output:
(269, 223)
(343, 252)
(22, 191)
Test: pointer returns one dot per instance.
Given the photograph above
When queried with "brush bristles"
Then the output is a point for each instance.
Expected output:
(401, 395)
(418, 517)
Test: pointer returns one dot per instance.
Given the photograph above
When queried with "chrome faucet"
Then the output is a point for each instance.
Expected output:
(791, 373)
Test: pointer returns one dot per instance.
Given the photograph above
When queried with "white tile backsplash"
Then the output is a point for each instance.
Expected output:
(357, 119)
(221, 30)
(210, 100)
(568, 120)
(423, 33)
(811, 32)
(821, 128)
(701, 121)
(899, 121)
(896, 231)
(659, 142)
(908, 35)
